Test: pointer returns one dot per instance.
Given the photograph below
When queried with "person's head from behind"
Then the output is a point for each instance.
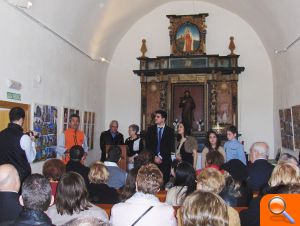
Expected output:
(149, 179)
(133, 130)
(53, 169)
(74, 121)
(286, 157)
(210, 180)
(212, 140)
(231, 132)
(9, 178)
(36, 193)
(114, 154)
(130, 184)
(259, 150)
(205, 209)
(284, 173)
(76, 153)
(17, 115)
(160, 117)
(98, 173)
(113, 126)
(71, 194)
(174, 166)
(145, 157)
(185, 175)
(214, 158)
(86, 221)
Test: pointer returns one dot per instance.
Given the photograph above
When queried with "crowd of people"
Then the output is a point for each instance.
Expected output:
(69, 193)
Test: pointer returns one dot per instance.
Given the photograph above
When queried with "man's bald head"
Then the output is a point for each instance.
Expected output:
(9, 178)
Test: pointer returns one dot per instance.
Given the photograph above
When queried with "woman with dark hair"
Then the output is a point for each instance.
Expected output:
(134, 144)
(130, 187)
(53, 169)
(72, 201)
(187, 148)
(185, 184)
(144, 158)
(212, 143)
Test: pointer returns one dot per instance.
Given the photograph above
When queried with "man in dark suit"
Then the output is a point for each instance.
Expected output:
(77, 157)
(160, 142)
(110, 137)
(9, 197)
(260, 170)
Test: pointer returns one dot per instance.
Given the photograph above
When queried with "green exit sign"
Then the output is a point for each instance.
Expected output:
(13, 96)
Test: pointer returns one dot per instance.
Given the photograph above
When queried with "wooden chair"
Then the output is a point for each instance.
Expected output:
(162, 195)
(106, 207)
(240, 208)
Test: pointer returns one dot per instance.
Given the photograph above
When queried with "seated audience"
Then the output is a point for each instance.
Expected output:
(143, 158)
(185, 184)
(53, 169)
(171, 182)
(233, 148)
(99, 192)
(77, 156)
(36, 198)
(144, 208)
(260, 170)
(212, 180)
(134, 143)
(9, 197)
(71, 201)
(213, 143)
(204, 209)
(236, 191)
(86, 221)
(284, 174)
(117, 176)
(286, 157)
(130, 188)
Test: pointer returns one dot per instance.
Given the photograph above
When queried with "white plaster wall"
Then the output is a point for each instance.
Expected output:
(68, 78)
(255, 85)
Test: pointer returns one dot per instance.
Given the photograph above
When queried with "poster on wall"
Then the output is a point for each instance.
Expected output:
(67, 112)
(296, 125)
(45, 124)
(286, 127)
(89, 127)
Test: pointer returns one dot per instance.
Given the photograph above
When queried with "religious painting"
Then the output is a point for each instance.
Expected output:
(296, 125)
(286, 127)
(153, 102)
(45, 125)
(224, 103)
(188, 105)
(187, 38)
(187, 34)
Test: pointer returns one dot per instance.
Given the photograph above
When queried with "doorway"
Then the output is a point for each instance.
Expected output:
(5, 107)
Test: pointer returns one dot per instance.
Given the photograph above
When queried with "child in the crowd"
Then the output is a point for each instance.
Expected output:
(233, 148)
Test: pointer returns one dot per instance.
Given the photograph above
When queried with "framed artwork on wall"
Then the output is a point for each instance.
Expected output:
(286, 128)
(66, 115)
(296, 125)
(89, 127)
(45, 124)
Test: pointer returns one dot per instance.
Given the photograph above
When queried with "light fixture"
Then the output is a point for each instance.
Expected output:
(281, 51)
(21, 4)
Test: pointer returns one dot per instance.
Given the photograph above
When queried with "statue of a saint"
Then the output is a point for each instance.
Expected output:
(188, 106)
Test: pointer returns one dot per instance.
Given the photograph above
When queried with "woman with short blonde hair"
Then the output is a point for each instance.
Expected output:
(285, 173)
(205, 209)
(99, 191)
(211, 180)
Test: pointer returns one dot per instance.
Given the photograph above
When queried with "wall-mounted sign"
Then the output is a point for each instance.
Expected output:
(13, 96)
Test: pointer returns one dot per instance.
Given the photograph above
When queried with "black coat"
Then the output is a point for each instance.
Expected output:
(79, 168)
(167, 145)
(10, 207)
(102, 194)
(32, 217)
(107, 139)
(259, 174)
(11, 151)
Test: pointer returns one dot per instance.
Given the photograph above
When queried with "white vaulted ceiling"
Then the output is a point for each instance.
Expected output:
(96, 26)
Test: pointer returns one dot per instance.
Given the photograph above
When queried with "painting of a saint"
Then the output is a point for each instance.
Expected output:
(188, 38)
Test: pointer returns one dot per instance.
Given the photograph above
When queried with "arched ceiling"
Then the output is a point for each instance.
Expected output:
(96, 26)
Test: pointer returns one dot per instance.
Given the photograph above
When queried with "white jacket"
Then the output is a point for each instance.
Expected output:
(126, 213)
